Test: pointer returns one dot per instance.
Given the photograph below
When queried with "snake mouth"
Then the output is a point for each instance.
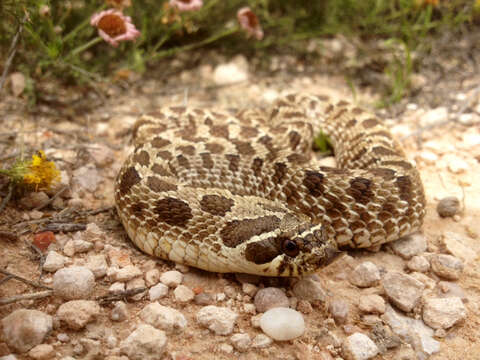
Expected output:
(323, 256)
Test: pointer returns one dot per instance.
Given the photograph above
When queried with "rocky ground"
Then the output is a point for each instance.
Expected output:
(417, 298)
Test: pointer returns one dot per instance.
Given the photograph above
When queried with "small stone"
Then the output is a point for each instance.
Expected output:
(270, 297)
(249, 309)
(434, 116)
(82, 246)
(457, 245)
(54, 261)
(152, 277)
(304, 307)
(183, 294)
(241, 342)
(226, 348)
(410, 246)
(204, 299)
(137, 283)
(118, 257)
(78, 313)
(63, 337)
(220, 320)
(249, 289)
(116, 288)
(261, 341)
(157, 292)
(69, 248)
(359, 347)
(119, 311)
(282, 323)
(418, 263)
(310, 290)
(232, 72)
(75, 282)
(124, 274)
(145, 343)
(182, 268)
(163, 317)
(220, 297)
(443, 313)
(171, 278)
(457, 165)
(34, 200)
(365, 274)
(448, 206)
(374, 304)
(23, 329)
(446, 266)
(230, 291)
(43, 240)
(402, 290)
(339, 309)
(424, 279)
(42, 352)
(97, 265)
(384, 337)
(87, 177)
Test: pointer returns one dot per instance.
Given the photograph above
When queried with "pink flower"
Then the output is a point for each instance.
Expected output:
(114, 27)
(186, 5)
(249, 22)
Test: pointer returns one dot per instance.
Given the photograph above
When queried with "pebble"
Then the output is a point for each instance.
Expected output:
(434, 116)
(54, 261)
(116, 288)
(418, 263)
(220, 320)
(241, 342)
(412, 331)
(282, 323)
(359, 347)
(443, 313)
(304, 307)
(76, 314)
(249, 289)
(424, 279)
(145, 343)
(69, 248)
(119, 311)
(310, 290)
(171, 278)
(226, 348)
(34, 199)
(249, 309)
(457, 165)
(82, 246)
(269, 298)
(446, 266)
(183, 294)
(231, 72)
(339, 309)
(409, 246)
(97, 265)
(23, 329)
(157, 292)
(75, 282)
(124, 274)
(365, 274)
(261, 341)
(448, 206)
(42, 352)
(204, 299)
(456, 244)
(402, 290)
(384, 337)
(163, 317)
(118, 257)
(136, 283)
(373, 304)
(87, 177)
(152, 277)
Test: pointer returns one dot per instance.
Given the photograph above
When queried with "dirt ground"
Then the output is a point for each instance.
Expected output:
(87, 135)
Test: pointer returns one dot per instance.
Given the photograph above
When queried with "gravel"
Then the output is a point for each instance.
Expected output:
(76, 282)
(171, 278)
(402, 290)
(163, 317)
(446, 266)
(183, 294)
(220, 320)
(54, 261)
(76, 314)
(443, 313)
(269, 298)
(145, 343)
(157, 292)
(448, 206)
(373, 304)
(410, 245)
(359, 347)
(310, 290)
(365, 274)
(282, 323)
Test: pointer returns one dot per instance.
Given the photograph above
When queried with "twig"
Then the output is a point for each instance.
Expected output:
(12, 51)
(63, 227)
(26, 281)
(37, 295)
(123, 295)
(52, 199)
(8, 197)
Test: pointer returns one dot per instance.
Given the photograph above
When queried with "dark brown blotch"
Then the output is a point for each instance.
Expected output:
(234, 161)
(178, 109)
(298, 158)
(351, 123)
(383, 151)
(214, 148)
(236, 232)
(369, 123)
(340, 113)
(173, 211)
(216, 204)
(158, 142)
(160, 170)
(280, 171)
(264, 251)
(207, 161)
(399, 163)
(357, 111)
(257, 167)
(129, 178)
(138, 208)
(165, 155)
(404, 185)
(244, 148)
(248, 131)
(387, 174)
(313, 181)
(219, 131)
(294, 139)
(186, 149)
(142, 158)
(158, 185)
(360, 190)
(183, 161)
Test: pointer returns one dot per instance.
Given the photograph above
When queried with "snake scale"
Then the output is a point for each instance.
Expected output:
(246, 193)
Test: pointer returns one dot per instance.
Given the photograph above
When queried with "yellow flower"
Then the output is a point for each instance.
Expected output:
(40, 173)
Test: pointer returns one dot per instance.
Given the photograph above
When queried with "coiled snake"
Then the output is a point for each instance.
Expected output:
(245, 193)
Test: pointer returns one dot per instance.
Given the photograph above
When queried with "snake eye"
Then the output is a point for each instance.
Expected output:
(290, 248)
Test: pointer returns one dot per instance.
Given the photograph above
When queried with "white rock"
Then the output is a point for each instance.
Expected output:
(434, 116)
(226, 348)
(69, 248)
(23, 329)
(372, 304)
(97, 265)
(269, 298)
(456, 244)
(232, 72)
(78, 313)
(456, 165)
(183, 294)
(145, 343)
(75, 282)
(158, 291)
(403, 291)
(82, 246)
(418, 263)
(42, 352)
(410, 245)
(87, 177)
(124, 274)
(119, 311)
(359, 347)
(152, 277)
(116, 288)
(446, 266)
(365, 274)
(171, 278)
(442, 313)
(54, 261)
(220, 320)
(12, 357)
(261, 341)
(163, 317)
(135, 284)
(249, 289)
(282, 323)
(241, 342)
